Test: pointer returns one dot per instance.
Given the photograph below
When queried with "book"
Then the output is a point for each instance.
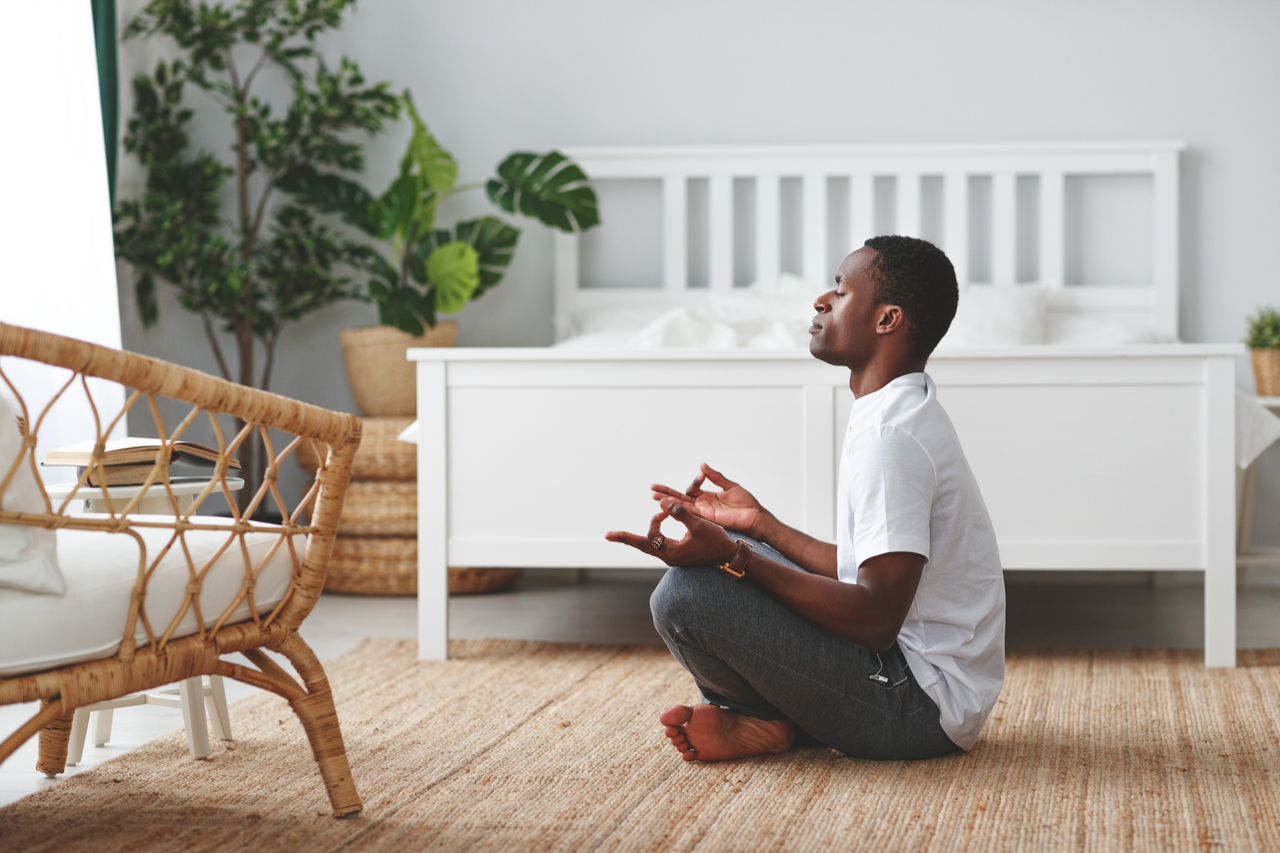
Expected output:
(128, 461)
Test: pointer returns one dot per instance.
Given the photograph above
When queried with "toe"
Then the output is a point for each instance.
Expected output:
(676, 715)
(674, 731)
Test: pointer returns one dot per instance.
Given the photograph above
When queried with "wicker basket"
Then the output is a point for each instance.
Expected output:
(380, 508)
(1266, 371)
(381, 380)
(380, 457)
(389, 566)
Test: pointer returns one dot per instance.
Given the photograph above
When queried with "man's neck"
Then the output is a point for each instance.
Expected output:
(874, 376)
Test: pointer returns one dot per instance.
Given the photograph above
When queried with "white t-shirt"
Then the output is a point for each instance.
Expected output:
(906, 486)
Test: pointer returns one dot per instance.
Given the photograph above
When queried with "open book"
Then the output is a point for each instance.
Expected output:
(128, 461)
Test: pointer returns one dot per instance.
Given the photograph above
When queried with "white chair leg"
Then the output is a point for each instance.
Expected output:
(215, 698)
(102, 726)
(192, 692)
(79, 728)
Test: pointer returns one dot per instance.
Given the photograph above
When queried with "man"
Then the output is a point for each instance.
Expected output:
(888, 644)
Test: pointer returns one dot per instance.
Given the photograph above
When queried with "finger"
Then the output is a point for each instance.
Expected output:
(667, 491)
(655, 523)
(635, 540)
(681, 513)
(716, 477)
(684, 501)
(695, 488)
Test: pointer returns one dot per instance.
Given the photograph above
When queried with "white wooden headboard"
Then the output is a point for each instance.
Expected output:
(1155, 304)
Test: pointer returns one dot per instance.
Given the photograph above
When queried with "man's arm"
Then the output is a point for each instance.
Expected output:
(869, 612)
(814, 555)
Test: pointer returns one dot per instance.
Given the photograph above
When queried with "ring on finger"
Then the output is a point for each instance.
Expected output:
(657, 540)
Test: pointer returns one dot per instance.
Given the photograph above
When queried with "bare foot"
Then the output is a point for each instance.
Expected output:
(712, 733)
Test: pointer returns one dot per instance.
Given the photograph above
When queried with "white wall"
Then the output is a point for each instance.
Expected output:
(55, 219)
(494, 75)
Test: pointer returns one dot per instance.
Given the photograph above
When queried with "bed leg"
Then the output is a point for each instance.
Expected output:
(433, 508)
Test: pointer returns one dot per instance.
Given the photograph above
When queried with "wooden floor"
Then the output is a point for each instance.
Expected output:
(613, 607)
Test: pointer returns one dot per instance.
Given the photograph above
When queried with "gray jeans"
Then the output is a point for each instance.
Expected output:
(748, 652)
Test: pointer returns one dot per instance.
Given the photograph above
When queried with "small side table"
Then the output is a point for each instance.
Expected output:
(1245, 499)
(192, 694)
(155, 503)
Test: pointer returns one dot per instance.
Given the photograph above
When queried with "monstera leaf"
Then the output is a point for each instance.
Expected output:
(433, 162)
(548, 187)
(493, 239)
(454, 273)
(330, 194)
(495, 244)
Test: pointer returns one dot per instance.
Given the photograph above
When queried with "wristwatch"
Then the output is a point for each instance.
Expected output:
(737, 567)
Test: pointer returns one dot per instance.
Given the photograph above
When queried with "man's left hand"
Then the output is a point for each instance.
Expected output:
(704, 543)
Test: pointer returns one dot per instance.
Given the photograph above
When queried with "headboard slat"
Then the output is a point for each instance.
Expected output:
(1003, 163)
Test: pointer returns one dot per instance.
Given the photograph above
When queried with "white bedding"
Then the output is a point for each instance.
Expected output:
(778, 317)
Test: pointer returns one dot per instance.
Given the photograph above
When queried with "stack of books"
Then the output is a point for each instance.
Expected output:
(129, 461)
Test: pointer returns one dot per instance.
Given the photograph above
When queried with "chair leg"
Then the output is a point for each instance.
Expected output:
(52, 758)
(216, 704)
(192, 692)
(79, 730)
(102, 726)
(320, 721)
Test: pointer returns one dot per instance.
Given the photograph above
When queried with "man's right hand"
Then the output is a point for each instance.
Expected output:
(733, 507)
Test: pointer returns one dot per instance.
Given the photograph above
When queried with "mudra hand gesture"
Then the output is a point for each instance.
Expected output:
(732, 507)
(705, 516)
(703, 544)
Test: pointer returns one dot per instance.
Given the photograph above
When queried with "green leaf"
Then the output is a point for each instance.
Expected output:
(454, 271)
(395, 210)
(495, 243)
(329, 193)
(433, 162)
(548, 187)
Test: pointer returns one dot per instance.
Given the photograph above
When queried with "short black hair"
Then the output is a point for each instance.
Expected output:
(916, 276)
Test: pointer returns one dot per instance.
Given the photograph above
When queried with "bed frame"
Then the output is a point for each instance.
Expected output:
(1105, 458)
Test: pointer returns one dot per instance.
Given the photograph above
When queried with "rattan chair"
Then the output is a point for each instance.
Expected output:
(164, 658)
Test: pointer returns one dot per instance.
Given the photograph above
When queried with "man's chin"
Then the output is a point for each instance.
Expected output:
(816, 350)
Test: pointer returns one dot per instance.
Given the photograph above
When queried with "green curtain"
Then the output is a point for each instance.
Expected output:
(104, 34)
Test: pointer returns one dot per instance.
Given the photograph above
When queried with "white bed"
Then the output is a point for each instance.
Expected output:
(1103, 457)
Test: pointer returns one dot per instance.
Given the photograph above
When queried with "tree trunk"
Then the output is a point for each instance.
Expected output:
(250, 453)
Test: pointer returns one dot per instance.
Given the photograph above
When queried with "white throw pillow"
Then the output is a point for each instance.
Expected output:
(28, 555)
(991, 315)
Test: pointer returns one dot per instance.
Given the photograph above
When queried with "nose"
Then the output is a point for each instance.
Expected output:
(820, 306)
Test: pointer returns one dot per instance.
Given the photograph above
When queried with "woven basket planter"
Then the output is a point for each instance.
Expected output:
(1266, 371)
(380, 457)
(389, 566)
(381, 380)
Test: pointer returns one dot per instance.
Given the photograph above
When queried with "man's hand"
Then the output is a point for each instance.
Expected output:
(704, 543)
(732, 507)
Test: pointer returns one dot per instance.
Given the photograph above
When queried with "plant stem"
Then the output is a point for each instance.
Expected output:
(213, 342)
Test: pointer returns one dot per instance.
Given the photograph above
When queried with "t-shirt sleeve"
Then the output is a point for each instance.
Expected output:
(891, 490)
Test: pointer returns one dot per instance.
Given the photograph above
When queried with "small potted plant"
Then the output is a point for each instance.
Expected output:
(1264, 346)
(427, 271)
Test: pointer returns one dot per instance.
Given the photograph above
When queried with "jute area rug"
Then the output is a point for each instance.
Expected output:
(515, 746)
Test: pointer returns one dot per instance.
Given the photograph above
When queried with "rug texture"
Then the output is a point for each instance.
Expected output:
(514, 746)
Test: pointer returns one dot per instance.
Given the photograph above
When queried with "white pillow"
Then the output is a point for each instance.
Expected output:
(28, 555)
(991, 315)
(1101, 331)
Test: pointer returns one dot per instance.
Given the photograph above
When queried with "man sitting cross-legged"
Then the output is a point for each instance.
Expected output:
(888, 644)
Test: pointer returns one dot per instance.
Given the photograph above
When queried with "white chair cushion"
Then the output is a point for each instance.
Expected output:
(88, 621)
(28, 555)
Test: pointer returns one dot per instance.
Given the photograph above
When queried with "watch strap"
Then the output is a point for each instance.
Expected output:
(737, 566)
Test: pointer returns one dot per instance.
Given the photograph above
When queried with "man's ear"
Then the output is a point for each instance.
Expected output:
(890, 319)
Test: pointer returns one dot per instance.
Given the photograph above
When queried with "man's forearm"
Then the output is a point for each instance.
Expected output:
(814, 555)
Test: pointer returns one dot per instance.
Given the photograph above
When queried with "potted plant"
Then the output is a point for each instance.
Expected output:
(248, 261)
(421, 271)
(1264, 346)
